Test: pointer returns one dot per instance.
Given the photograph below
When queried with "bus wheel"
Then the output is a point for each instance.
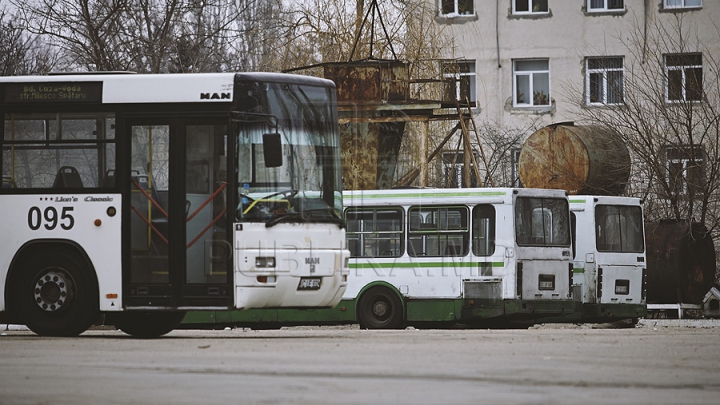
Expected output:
(380, 308)
(55, 295)
(148, 325)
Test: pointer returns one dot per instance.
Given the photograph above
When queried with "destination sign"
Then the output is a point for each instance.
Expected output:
(53, 92)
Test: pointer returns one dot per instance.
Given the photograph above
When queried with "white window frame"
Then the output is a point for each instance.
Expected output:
(456, 9)
(605, 6)
(683, 70)
(603, 71)
(668, 4)
(531, 78)
(457, 77)
(530, 7)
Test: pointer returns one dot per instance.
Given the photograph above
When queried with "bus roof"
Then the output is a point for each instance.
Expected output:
(444, 195)
(117, 88)
(582, 200)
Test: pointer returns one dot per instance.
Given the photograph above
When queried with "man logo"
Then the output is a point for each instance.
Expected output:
(312, 261)
(215, 96)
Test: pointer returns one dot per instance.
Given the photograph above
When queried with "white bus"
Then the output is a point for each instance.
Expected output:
(131, 199)
(440, 257)
(609, 256)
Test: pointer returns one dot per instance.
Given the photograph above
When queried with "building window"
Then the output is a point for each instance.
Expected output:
(685, 170)
(459, 80)
(516, 168)
(453, 170)
(684, 77)
(606, 5)
(530, 6)
(604, 81)
(531, 79)
(452, 8)
(682, 3)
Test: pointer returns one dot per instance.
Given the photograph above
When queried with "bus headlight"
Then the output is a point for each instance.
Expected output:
(264, 262)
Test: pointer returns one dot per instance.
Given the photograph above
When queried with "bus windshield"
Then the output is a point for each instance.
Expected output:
(542, 222)
(288, 158)
(619, 228)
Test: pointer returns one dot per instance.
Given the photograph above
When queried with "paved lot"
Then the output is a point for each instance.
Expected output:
(660, 362)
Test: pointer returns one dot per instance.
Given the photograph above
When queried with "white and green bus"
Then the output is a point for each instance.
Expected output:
(130, 199)
(609, 256)
(443, 257)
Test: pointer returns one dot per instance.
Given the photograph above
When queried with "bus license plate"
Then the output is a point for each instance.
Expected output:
(309, 283)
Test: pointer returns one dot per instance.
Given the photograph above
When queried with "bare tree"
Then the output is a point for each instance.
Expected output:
(157, 36)
(669, 117)
(20, 52)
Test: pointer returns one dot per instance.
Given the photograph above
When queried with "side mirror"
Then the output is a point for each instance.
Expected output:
(272, 150)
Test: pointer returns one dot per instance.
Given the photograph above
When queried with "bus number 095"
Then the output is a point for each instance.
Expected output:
(50, 218)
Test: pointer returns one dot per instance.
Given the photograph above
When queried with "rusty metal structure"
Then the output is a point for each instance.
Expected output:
(580, 159)
(376, 100)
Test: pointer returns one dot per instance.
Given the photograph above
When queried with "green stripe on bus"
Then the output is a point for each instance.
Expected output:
(419, 265)
(416, 195)
(578, 270)
(576, 201)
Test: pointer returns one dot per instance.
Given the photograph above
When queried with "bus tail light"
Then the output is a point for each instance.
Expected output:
(518, 279)
(644, 284)
(599, 282)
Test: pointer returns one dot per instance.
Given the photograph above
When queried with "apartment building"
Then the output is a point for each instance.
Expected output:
(529, 63)
(526, 60)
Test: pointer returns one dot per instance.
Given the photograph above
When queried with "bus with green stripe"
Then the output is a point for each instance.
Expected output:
(443, 257)
(609, 258)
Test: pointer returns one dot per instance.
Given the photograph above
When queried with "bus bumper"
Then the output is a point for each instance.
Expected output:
(293, 292)
(612, 312)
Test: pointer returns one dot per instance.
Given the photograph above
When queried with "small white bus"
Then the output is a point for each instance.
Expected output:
(609, 256)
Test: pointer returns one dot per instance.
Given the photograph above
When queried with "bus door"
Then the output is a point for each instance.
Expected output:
(179, 250)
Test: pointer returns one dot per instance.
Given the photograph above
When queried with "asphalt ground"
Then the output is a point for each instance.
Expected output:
(656, 362)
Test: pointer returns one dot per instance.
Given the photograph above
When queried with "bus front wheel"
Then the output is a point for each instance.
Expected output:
(380, 308)
(55, 294)
(148, 325)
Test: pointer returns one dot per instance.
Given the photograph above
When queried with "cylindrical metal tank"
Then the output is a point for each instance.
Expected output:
(681, 262)
(579, 159)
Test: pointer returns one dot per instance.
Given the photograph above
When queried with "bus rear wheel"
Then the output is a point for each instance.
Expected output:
(380, 308)
(54, 294)
(148, 325)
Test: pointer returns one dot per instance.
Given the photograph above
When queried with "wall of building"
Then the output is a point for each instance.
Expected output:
(495, 36)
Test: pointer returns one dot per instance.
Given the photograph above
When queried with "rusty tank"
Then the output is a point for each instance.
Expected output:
(681, 262)
(580, 159)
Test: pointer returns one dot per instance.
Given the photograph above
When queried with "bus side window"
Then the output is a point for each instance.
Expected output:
(573, 233)
(438, 231)
(483, 230)
(374, 232)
